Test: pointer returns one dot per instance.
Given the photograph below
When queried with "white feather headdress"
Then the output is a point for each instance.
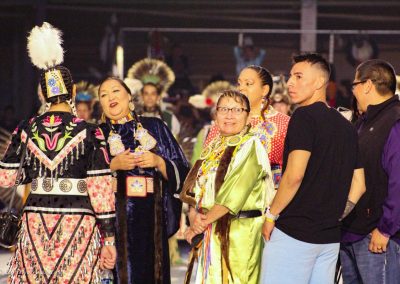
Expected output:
(134, 85)
(44, 46)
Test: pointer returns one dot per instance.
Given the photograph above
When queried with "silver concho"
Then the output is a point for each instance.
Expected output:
(34, 185)
(65, 185)
(47, 185)
(82, 186)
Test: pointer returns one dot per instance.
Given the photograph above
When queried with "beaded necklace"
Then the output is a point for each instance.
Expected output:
(211, 158)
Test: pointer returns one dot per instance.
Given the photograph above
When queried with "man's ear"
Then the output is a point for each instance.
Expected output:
(368, 86)
(321, 82)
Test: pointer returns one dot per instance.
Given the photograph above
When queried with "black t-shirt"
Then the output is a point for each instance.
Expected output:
(312, 216)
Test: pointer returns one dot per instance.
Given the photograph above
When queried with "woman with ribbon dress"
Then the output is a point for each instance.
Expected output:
(269, 125)
(150, 169)
(70, 210)
(228, 189)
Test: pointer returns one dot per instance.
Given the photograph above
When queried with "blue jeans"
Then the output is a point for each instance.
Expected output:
(360, 266)
(290, 261)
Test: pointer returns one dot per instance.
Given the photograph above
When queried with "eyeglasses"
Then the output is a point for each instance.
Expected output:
(234, 110)
(354, 84)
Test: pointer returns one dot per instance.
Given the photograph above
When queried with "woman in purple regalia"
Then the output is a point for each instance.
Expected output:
(150, 169)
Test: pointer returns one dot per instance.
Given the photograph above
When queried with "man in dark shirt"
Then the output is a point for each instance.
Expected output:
(321, 171)
(370, 250)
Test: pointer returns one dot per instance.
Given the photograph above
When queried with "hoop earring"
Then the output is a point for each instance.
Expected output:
(131, 105)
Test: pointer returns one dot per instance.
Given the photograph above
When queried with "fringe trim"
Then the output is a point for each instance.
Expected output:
(189, 183)
(122, 240)
(90, 262)
(88, 271)
(158, 225)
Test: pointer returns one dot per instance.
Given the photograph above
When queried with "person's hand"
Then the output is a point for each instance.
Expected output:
(378, 243)
(147, 160)
(189, 234)
(199, 223)
(108, 257)
(267, 229)
(123, 161)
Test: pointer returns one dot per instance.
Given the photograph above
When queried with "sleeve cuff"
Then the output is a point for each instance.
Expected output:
(384, 230)
(107, 227)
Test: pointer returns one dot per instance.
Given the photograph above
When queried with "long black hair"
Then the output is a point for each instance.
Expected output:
(266, 79)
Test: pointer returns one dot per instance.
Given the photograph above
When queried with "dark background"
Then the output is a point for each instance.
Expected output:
(84, 23)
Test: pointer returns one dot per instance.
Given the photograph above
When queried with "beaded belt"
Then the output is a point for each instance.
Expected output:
(60, 186)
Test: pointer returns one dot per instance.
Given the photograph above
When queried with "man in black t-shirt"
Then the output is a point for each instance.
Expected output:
(321, 172)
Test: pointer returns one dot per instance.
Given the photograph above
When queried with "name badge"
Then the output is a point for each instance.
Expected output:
(136, 186)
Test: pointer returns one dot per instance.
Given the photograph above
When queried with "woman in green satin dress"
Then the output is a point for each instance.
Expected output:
(230, 185)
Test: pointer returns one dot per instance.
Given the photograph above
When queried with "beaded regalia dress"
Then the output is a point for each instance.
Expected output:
(272, 133)
(247, 187)
(71, 202)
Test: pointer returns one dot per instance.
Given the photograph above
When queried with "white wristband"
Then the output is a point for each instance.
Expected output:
(271, 216)
(109, 243)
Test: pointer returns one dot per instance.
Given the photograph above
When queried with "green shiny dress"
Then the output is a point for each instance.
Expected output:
(247, 186)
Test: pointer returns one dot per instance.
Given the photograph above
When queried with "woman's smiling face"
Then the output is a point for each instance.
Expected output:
(234, 120)
(114, 99)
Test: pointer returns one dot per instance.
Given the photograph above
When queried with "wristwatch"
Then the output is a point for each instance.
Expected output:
(271, 216)
(109, 243)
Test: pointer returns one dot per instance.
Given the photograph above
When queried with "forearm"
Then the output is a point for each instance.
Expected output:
(114, 165)
(162, 168)
(389, 223)
(192, 214)
(349, 207)
(286, 192)
(357, 189)
(291, 180)
(216, 212)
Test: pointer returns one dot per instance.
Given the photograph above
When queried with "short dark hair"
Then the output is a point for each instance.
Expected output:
(118, 80)
(237, 96)
(153, 85)
(380, 72)
(314, 59)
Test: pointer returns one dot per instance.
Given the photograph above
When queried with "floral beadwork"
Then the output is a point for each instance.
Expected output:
(7, 177)
(102, 199)
(52, 121)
